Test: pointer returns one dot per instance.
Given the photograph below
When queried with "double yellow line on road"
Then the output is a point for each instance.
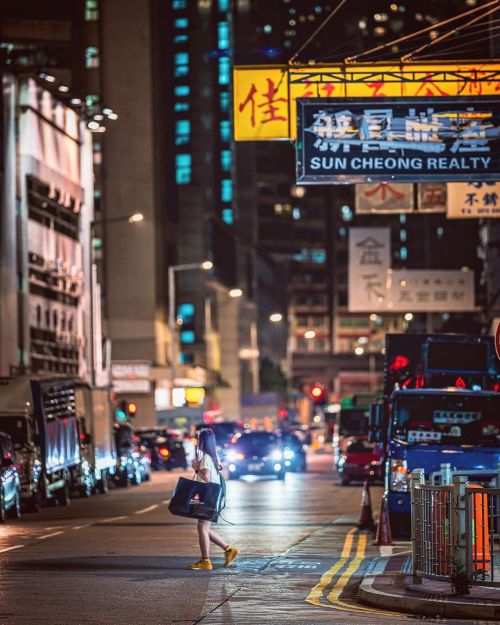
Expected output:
(351, 563)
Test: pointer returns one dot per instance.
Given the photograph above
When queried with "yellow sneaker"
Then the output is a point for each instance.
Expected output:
(201, 565)
(231, 553)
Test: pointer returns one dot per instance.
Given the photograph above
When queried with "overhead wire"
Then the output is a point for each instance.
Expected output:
(409, 57)
(351, 59)
(317, 31)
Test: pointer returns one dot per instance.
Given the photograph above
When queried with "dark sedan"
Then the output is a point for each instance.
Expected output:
(256, 453)
(294, 453)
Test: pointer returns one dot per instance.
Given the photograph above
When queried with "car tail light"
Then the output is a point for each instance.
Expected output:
(164, 453)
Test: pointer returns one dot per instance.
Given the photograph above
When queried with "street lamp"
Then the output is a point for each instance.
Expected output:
(235, 293)
(276, 317)
(132, 219)
(172, 321)
(309, 334)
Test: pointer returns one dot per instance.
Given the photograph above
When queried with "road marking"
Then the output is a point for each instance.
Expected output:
(11, 548)
(111, 519)
(148, 509)
(317, 592)
(355, 563)
(80, 527)
(49, 535)
(165, 501)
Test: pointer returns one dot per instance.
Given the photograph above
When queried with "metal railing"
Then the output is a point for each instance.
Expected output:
(455, 530)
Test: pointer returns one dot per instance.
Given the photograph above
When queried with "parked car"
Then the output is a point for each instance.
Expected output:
(143, 455)
(10, 484)
(128, 469)
(166, 449)
(294, 453)
(359, 460)
(256, 453)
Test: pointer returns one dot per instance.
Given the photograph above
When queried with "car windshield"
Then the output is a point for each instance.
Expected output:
(257, 443)
(354, 422)
(443, 419)
(16, 428)
(290, 440)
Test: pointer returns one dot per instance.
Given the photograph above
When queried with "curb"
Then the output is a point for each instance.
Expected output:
(426, 606)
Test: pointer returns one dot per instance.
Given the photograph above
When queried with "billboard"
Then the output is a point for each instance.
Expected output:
(410, 139)
(473, 200)
(373, 286)
(265, 96)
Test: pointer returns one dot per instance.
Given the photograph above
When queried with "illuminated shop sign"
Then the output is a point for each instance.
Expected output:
(410, 139)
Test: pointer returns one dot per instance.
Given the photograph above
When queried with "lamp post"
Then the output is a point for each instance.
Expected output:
(134, 218)
(172, 270)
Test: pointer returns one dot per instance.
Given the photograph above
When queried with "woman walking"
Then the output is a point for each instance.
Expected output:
(207, 468)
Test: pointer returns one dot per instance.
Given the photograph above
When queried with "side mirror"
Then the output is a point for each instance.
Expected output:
(376, 423)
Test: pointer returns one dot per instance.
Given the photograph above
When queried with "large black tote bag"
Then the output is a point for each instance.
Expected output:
(197, 500)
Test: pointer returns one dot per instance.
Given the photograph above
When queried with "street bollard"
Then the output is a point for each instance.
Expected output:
(459, 524)
(417, 477)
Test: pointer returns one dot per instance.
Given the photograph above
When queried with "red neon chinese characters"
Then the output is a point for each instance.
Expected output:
(270, 107)
(384, 188)
(429, 87)
(377, 86)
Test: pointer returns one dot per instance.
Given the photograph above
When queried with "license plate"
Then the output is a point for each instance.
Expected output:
(254, 467)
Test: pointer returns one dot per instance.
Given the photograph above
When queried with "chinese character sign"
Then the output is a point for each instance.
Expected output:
(369, 260)
(432, 197)
(361, 140)
(431, 290)
(375, 287)
(473, 200)
(384, 197)
(264, 95)
(261, 104)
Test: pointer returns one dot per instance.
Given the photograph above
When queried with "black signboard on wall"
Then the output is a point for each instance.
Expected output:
(349, 140)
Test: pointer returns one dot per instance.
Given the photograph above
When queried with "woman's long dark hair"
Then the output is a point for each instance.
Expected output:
(206, 444)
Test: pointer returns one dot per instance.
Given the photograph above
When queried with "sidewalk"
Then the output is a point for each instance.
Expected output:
(388, 585)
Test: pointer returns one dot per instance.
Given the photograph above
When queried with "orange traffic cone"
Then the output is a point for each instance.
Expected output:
(384, 534)
(366, 515)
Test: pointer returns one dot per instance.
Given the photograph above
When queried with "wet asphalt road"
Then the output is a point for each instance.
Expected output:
(121, 558)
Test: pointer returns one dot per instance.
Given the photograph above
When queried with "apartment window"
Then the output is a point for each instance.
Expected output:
(181, 106)
(224, 70)
(227, 216)
(224, 100)
(181, 64)
(92, 103)
(403, 253)
(226, 190)
(225, 130)
(223, 35)
(223, 5)
(92, 57)
(225, 160)
(183, 168)
(182, 131)
(91, 11)
(181, 90)
(181, 22)
(179, 4)
(180, 38)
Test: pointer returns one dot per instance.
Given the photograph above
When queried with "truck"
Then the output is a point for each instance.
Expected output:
(440, 404)
(60, 448)
(352, 420)
(95, 420)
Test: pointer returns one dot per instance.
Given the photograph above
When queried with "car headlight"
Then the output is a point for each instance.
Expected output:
(288, 454)
(277, 455)
(399, 476)
(233, 456)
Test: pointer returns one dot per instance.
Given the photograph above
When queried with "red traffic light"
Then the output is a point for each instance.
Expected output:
(317, 392)
(131, 408)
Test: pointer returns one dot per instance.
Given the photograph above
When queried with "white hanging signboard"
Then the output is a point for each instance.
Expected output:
(473, 200)
(369, 260)
(375, 287)
(384, 197)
